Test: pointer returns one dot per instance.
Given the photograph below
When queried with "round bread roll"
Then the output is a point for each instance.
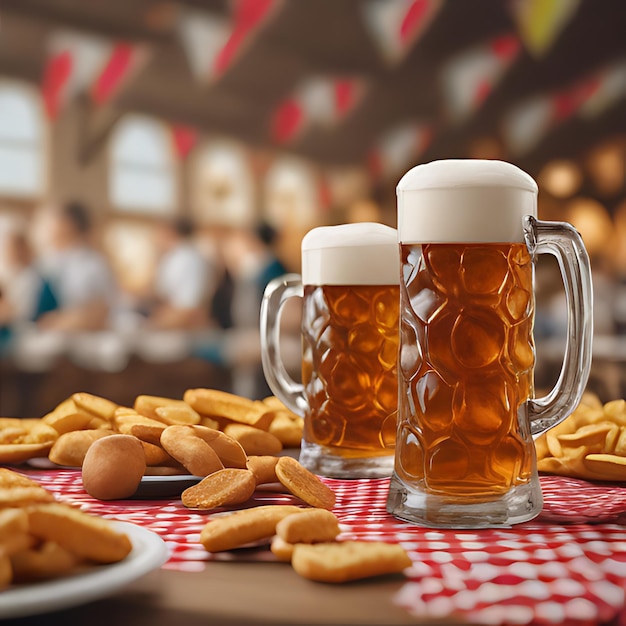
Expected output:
(114, 467)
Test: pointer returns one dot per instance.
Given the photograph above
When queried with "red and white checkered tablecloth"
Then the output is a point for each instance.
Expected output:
(568, 566)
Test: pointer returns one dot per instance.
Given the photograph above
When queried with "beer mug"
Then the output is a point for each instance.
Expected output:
(468, 236)
(349, 390)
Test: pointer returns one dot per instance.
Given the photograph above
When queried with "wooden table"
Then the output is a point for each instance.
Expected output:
(237, 593)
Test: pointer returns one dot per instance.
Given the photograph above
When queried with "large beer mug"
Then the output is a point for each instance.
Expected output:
(468, 236)
(349, 390)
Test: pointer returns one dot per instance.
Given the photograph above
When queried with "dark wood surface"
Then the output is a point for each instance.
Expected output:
(238, 594)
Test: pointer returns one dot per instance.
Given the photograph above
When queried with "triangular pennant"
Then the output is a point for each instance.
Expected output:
(287, 121)
(123, 62)
(57, 72)
(185, 138)
(396, 24)
(202, 36)
(567, 102)
(320, 101)
(73, 62)
(540, 22)
(248, 17)
(316, 97)
(347, 93)
(611, 87)
(471, 76)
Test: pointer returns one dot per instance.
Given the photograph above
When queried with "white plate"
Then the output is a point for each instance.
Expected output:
(149, 552)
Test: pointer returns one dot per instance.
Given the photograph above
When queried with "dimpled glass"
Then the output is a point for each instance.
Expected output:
(466, 363)
(349, 370)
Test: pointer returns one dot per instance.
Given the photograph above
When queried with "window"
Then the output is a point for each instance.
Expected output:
(22, 141)
(222, 185)
(291, 194)
(142, 175)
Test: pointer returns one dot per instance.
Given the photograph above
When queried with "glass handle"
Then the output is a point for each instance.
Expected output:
(277, 292)
(563, 241)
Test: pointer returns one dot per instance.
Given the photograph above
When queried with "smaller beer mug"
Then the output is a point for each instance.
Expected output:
(349, 391)
(467, 413)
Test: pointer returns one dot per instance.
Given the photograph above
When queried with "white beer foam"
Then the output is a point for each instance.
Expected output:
(464, 201)
(351, 254)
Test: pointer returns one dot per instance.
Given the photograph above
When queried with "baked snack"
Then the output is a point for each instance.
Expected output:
(97, 406)
(349, 560)
(23, 496)
(222, 488)
(243, 527)
(288, 430)
(310, 526)
(230, 451)
(47, 560)
(70, 448)
(304, 484)
(282, 550)
(253, 440)
(590, 443)
(263, 468)
(226, 407)
(192, 452)
(85, 536)
(113, 467)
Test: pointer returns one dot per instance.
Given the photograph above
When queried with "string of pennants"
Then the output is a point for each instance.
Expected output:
(78, 63)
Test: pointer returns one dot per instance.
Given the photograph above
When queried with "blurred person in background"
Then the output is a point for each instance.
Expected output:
(252, 262)
(270, 264)
(184, 279)
(79, 274)
(25, 294)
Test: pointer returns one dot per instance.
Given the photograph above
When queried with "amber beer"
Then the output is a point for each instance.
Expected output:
(350, 339)
(350, 314)
(468, 234)
(471, 308)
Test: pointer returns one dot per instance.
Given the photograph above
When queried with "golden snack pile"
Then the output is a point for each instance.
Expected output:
(173, 436)
(590, 443)
(230, 441)
(41, 538)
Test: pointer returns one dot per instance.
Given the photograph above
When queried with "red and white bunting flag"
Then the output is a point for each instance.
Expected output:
(185, 138)
(326, 100)
(540, 22)
(611, 87)
(73, 61)
(396, 24)
(469, 77)
(398, 148)
(213, 42)
(320, 101)
(123, 62)
(567, 102)
(248, 17)
(202, 36)
(287, 121)
(528, 123)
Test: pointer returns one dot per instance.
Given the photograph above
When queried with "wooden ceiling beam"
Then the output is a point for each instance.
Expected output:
(90, 22)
